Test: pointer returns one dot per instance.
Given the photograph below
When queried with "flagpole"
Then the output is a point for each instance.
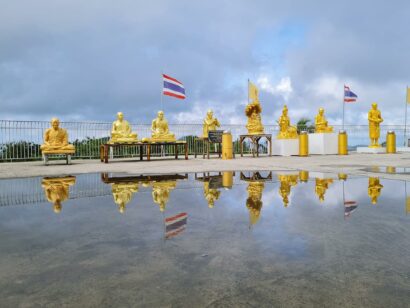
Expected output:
(162, 90)
(405, 117)
(248, 90)
(344, 206)
(343, 102)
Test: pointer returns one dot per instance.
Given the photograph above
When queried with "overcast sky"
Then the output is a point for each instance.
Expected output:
(86, 60)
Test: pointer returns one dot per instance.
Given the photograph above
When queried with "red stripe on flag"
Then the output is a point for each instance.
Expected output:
(174, 95)
(170, 78)
(171, 234)
(175, 217)
(350, 100)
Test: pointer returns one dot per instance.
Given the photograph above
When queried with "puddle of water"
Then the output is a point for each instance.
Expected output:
(387, 169)
(214, 239)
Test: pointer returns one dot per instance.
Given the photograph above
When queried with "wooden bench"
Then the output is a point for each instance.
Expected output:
(255, 142)
(50, 153)
(104, 148)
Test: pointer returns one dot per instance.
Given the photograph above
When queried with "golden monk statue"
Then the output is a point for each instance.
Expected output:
(286, 183)
(254, 201)
(375, 118)
(211, 195)
(321, 125)
(210, 123)
(161, 191)
(253, 111)
(122, 194)
(321, 186)
(374, 189)
(56, 140)
(159, 128)
(57, 190)
(121, 131)
(286, 130)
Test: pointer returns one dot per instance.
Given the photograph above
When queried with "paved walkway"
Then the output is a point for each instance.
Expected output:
(358, 164)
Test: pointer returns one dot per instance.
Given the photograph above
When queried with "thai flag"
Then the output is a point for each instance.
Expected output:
(349, 97)
(173, 87)
(350, 207)
(175, 225)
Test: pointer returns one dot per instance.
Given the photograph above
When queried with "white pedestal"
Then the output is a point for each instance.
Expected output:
(368, 150)
(321, 175)
(323, 143)
(403, 149)
(285, 147)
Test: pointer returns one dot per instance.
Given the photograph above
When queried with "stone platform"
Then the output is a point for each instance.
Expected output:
(285, 147)
(323, 143)
(368, 150)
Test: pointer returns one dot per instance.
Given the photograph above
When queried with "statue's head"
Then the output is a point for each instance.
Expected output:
(285, 110)
(321, 111)
(160, 114)
(374, 106)
(121, 208)
(57, 207)
(120, 116)
(55, 122)
(210, 113)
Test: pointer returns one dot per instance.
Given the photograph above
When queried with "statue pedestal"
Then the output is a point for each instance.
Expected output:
(285, 147)
(368, 150)
(323, 143)
(403, 149)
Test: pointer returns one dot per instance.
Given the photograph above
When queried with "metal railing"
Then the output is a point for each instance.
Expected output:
(21, 140)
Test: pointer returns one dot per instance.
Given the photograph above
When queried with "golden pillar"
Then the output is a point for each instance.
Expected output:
(342, 143)
(303, 144)
(227, 179)
(391, 142)
(304, 176)
(227, 145)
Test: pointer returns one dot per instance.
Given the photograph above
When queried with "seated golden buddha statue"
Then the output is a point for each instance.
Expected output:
(161, 191)
(286, 183)
(321, 125)
(160, 130)
(57, 190)
(121, 131)
(321, 186)
(211, 195)
(254, 200)
(253, 111)
(375, 189)
(122, 194)
(56, 140)
(210, 123)
(286, 130)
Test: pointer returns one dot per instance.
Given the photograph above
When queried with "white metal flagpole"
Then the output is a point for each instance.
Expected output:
(343, 102)
(162, 90)
(405, 116)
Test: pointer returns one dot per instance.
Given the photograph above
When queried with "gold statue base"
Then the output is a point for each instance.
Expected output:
(162, 139)
(68, 152)
(123, 140)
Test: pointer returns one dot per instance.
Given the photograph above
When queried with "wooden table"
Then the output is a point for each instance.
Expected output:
(255, 141)
(206, 149)
(104, 148)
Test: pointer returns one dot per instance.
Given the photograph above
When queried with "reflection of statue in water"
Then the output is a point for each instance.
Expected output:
(121, 131)
(286, 130)
(286, 183)
(321, 186)
(57, 190)
(253, 111)
(254, 201)
(211, 194)
(160, 192)
(375, 118)
(374, 189)
(56, 140)
(321, 125)
(122, 193)
(210, 123)
(160, 130)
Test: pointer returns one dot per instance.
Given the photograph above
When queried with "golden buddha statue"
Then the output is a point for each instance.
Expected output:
(57, 190)
(375, 118)
(161, 191)
(211, 195)
(210, 123)
(253, 111)
(121, 131)
(56, 140)
(122, 194)
(321, 125)
(160, 130)
(286, 130)
(321, 186)
(286, 183)
(374, 189)
(254, 200)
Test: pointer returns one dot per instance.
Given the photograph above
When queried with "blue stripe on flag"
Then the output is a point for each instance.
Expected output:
(350, 94)
(173, 87)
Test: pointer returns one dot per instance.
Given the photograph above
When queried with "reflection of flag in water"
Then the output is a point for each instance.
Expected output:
(175, 225)
(350, 207)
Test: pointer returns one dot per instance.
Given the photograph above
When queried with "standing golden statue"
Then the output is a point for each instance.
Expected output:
(57, 190)
(375, 189)
(321, 125)
(121, 131)
(286, 130)
(321, 186)
(56, 140)
(161, 191)
(254, 200)
(211, 195)
(122, 194)
(286, 183)
(210, 123)
(160, 130)
(253, 111)
(375, 118)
